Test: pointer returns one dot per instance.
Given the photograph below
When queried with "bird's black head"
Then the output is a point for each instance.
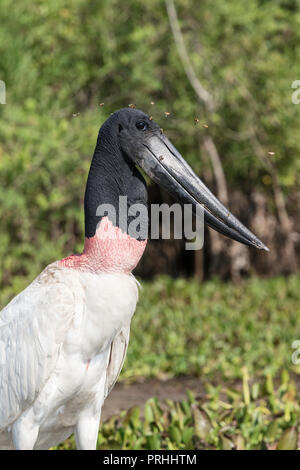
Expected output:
(128, 129)
(128, 138)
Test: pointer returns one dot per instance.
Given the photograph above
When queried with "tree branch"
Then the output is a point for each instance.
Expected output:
(203, 96)
(200, 91)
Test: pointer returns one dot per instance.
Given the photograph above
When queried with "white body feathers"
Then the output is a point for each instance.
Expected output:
(63, 341)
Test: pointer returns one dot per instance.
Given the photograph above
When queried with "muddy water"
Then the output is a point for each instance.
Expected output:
(125, 396)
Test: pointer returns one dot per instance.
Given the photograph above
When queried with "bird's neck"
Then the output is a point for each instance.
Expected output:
(108, 247)
(110, 250)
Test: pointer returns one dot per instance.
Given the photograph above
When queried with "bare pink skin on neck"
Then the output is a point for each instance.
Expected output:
(109, 250)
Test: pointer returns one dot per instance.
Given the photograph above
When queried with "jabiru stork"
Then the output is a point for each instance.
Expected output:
(64, 338)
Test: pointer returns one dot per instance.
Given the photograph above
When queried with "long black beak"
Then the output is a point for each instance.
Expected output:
(164, 164)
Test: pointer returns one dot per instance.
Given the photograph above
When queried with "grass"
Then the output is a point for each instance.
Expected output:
(257, 416)
(214, 328)
(224, 333)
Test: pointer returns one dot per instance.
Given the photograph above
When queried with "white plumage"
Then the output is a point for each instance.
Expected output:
(63, 341)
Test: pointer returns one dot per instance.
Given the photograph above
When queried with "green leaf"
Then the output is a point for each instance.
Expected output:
(153, 442)
(226, 443)
(288, 440)
(187, 435)
(148, 413)
(175, 434)
(202, 424)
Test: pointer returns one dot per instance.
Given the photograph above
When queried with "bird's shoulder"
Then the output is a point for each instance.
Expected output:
(54, 293)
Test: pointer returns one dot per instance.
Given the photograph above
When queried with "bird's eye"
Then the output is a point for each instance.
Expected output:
(141, 125)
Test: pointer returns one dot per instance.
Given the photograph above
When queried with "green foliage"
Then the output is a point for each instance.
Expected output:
(222, 419)
(59, 58)
(214, 329)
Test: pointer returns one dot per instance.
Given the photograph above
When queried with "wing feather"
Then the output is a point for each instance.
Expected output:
(32, 328)
(117, 356)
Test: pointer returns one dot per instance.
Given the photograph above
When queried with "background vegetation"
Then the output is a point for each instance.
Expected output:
(224, 73)
(60, 59)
